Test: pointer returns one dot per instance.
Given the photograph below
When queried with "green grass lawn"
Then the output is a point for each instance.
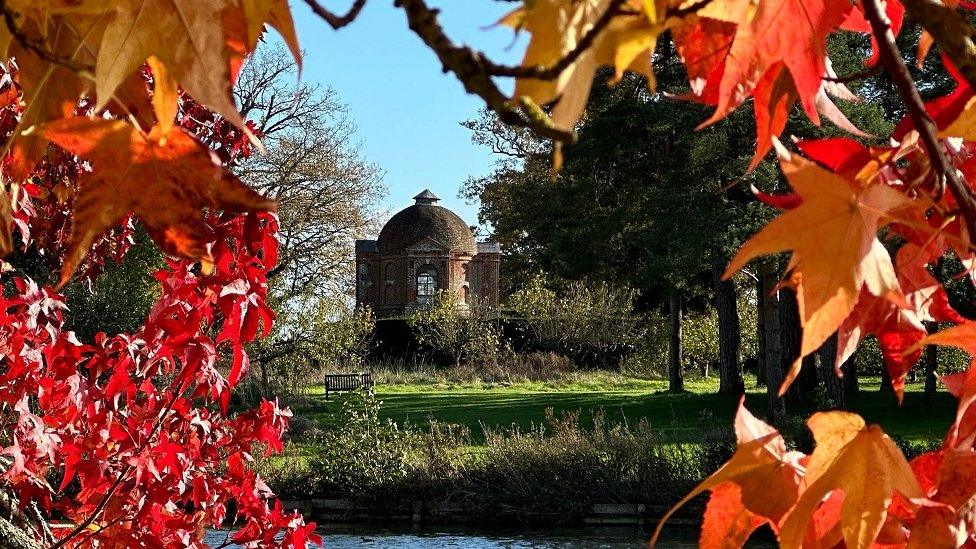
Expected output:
(677, 417)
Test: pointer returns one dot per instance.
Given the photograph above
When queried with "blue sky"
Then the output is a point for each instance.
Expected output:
(407, 111)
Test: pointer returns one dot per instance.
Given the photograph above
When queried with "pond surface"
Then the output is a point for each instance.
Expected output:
(347, 537)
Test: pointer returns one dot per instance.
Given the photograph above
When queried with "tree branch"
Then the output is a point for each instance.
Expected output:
(550, 72)
(891, 57)
(471, 68)
(10, 21)
(951, 31)
(336, 21)
(81, 527)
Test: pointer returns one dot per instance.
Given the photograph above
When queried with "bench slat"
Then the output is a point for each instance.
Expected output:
(347, 382)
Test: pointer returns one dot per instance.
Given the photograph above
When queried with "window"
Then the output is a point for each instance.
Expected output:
(363, 280)
(389, 295)
(390, 273)
(426, 284)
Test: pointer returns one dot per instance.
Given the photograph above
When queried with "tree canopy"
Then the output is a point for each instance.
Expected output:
(117, 113)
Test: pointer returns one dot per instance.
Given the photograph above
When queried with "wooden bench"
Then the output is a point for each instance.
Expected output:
(347, 382)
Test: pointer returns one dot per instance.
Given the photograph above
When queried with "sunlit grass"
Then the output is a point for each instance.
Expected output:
(620, 397)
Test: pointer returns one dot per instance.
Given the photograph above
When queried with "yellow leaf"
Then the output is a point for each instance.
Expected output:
(188, 36)
(862, 462)
(833, 237)
(767, 474)
(557, 26)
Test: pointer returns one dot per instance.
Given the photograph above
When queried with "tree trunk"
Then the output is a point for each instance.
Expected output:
(932, 351)
(833, 383)
(931, 365)
(676, 382)
(265, 384)
(885, 386)
(849, 369)
(729, 335)
(773, 356)
(801, 390)
(761, 296)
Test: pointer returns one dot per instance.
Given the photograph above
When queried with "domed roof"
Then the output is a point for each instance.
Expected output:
(425, 219)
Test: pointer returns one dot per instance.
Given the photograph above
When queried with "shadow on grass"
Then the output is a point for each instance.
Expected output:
(679, 417)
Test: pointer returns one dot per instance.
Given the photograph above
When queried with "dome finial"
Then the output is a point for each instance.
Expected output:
(426, 197)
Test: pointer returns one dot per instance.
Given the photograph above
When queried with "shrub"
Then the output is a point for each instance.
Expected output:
(469, 333)
(552, 472)
(592, 322)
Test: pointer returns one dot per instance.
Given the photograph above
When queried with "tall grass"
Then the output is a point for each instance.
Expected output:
(552, 472)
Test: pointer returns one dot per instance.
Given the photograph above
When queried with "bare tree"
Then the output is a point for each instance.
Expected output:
(327, 195)
(327, 192)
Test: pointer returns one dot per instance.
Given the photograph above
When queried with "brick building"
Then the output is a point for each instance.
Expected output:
(423, 249)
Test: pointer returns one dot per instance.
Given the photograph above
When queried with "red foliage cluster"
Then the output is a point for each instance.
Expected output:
(138, 425)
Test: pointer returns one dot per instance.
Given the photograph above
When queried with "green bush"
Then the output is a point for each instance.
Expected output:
(552, 472)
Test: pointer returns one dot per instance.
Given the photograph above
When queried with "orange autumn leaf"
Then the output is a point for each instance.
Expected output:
(898, 328)
(859, 460)
(833, 237)
(276, 14)
(165, 178)
(726, 522)
(791, 32)
(557, 26)
(185, 35)
(767, 476)
(49, 90)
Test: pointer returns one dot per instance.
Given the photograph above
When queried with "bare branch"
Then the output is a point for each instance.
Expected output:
(336, 21)
(891, 57)
(36, 46)
(472, 69)
(951, 31)
(550, 72)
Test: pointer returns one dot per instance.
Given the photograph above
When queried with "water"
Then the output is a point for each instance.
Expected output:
(346, 537)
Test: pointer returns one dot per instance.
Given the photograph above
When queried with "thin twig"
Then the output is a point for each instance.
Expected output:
(38, 47)
(928, 132)
(951, 31)
(471, 69)
(551, 72)
(125, 471)
(337, 21)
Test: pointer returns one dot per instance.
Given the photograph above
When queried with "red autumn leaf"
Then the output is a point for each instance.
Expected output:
(164, 178)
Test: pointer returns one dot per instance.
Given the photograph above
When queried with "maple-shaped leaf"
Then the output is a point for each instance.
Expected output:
(775, 95)
(557, 26)
(164, 178)
(791, 32)
(49, 90)
(898, 328)
(766, 474)
(275, 13)
(859, 460)
(186, 35)
(702, 45)
(833, 237)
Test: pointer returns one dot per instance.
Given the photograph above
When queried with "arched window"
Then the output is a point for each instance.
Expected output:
(390, 274)
(389, 295)
(426, 284)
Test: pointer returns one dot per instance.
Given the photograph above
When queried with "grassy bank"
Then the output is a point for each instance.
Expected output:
(478, 405)
(538, 451)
